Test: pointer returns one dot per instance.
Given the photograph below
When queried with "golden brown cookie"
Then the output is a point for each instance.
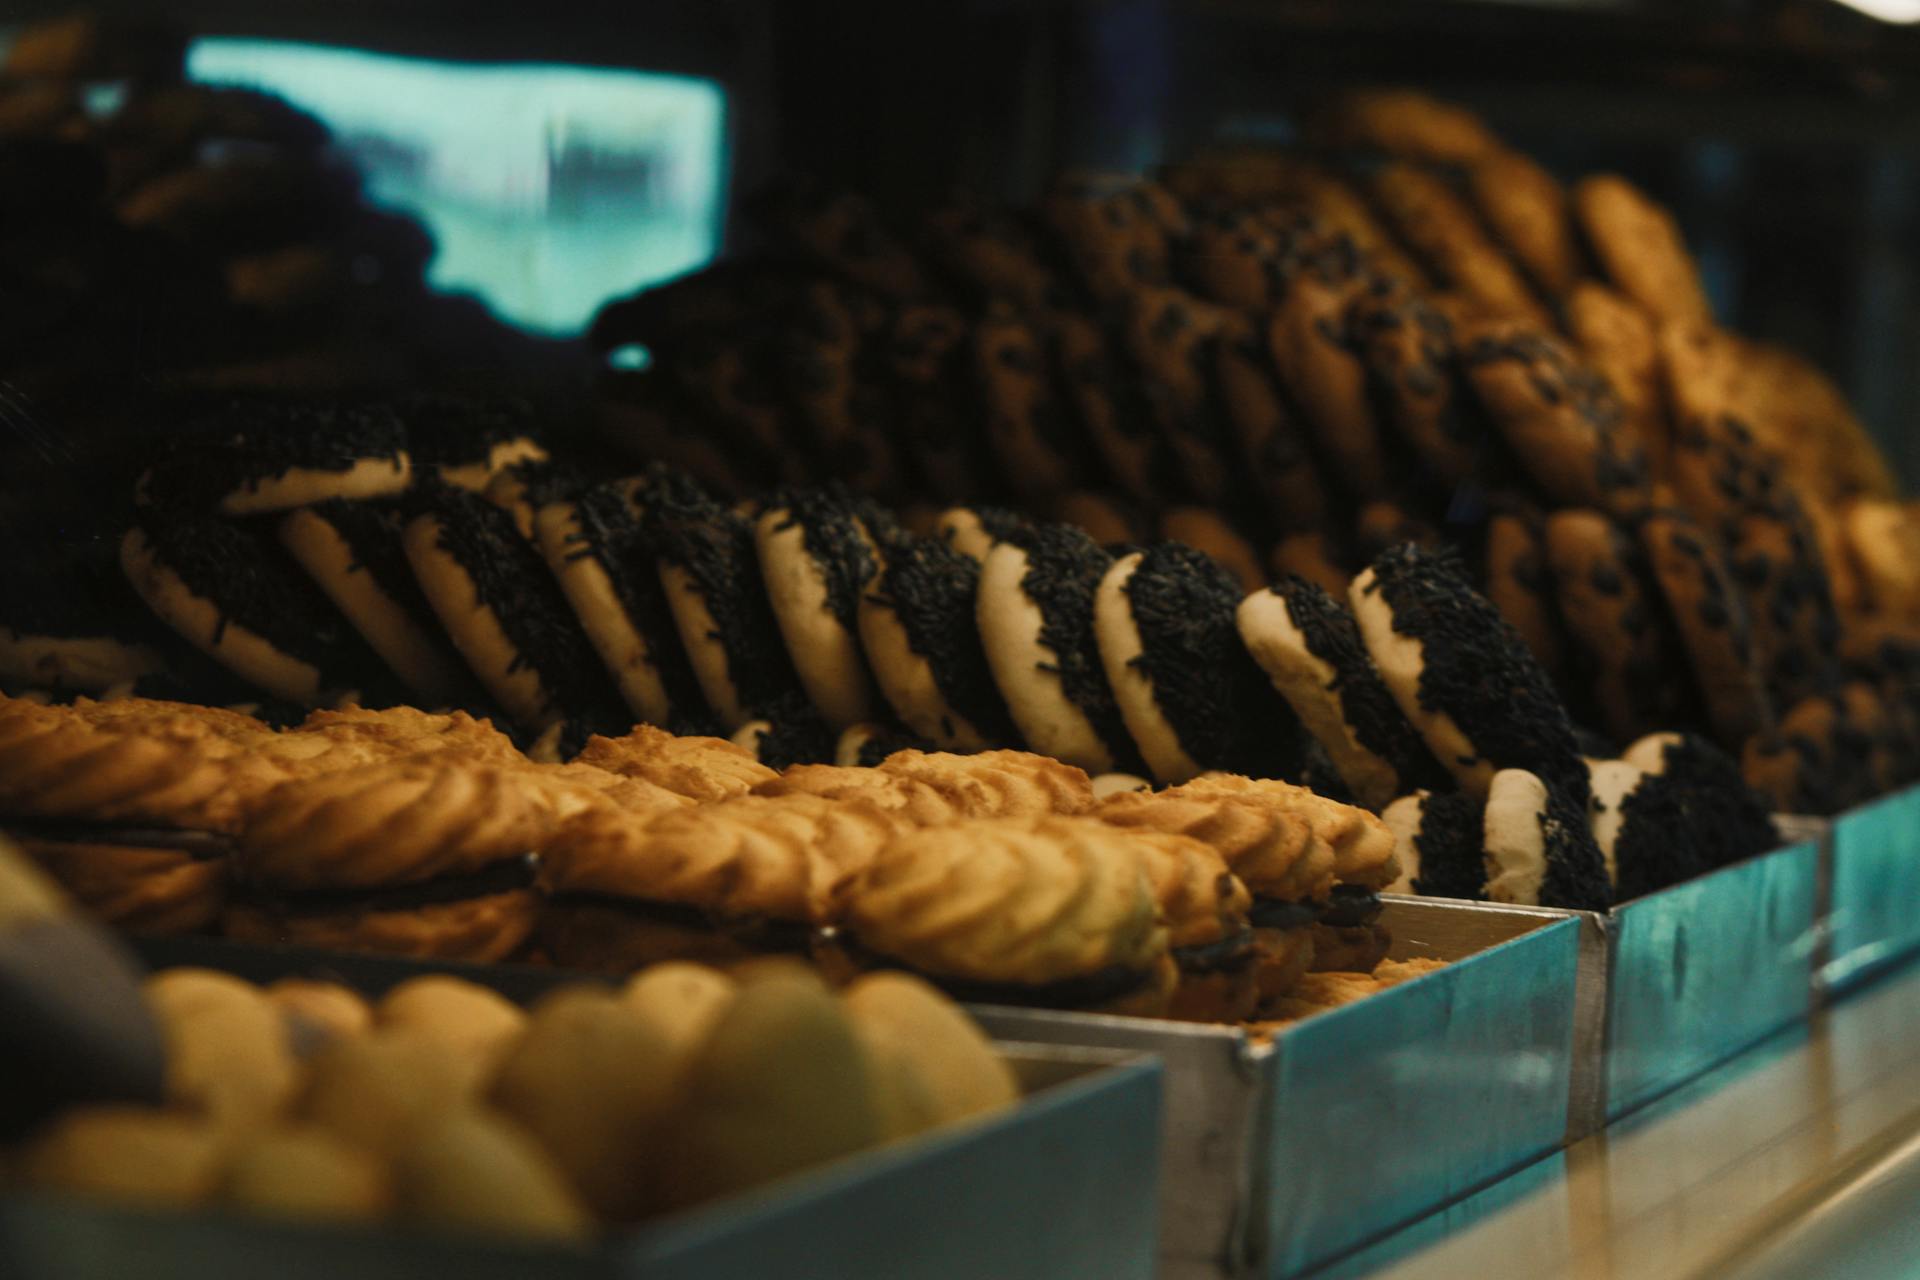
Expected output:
(1526, 209)
(1443, 231)
(1408, 347)
(1114, 231)
(1272, 438)
(1313, 349)
(1520, 587)
(1207, 910)
(696, 767)
(1029, 426)
(1113, 411)
(1170, 334)
(1712, 621)
(1639, 247)
(929, 353)
(1619, 340)
(1403, 122)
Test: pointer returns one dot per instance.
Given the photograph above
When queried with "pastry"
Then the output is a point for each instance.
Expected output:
(934, 788)
(1461, 675)
(1712, 623)
(712, 581)
(1438, 841)
(1205, 530)
(227, 594)
(1526, 209)
(137, 1156)
(473, 1171)
(866, 745)
(317, 1012)
(817, 557)
(352, 552)
(304, 1174)
(591, 1081)
(1560, 418)
(951, 1069)
(599, 554)
(917, 625)
(379, 1092)
(972, 531)
(1311, 650)
(1444, 234)
(934, 901)
(505, 614)
(474, 1022)
(715, 883)
(1521, 588)
(1191, 696)
(1313, 349)
(1540, 849)
(1210, 933)
(248, 457)
(1034, 611)
(229, 1057)
(1112, 407)
(788, 731)
(680, 1001)
(465, 441)
(522, 488)
(1028, 424)
(1638, 246)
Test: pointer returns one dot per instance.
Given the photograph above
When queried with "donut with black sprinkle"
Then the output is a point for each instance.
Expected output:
(597, 551)
(1035, 614)
(507, 616)
(1437, 838)
(1461, 674)
(1192, 697)
(466, 440)
(917, 626)
(1540, 850)
(250, 456)
(816, 556)
(705, 557)
(352, 552)
(233, 597)
(1311, 650)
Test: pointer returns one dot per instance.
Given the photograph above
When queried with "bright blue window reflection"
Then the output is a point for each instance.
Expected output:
(548, 189)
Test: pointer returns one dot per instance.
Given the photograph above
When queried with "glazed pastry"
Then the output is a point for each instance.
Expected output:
(1311, 650)
(1540, 849)
(599, 554)
(917, 625)
(1191, 696)
(699, 768)
(465, 441)
(1438, 841)
(352, 552)
(933, 901)
(248, 457)
(1034, 611)
(716, 883)
(228, 595)
(506, 614)
(816, 557)
(1461, 675)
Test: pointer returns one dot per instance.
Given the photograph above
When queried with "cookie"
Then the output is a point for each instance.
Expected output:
(1273, 442)
(917, 626)
(257, 455)
(1112, 408)
(465, 441)
(973, 531)
(834, 358)
(698, 767)
(866, 745)
(1381, 526)
(1402, 122)
(1560, 418)
(1311, 556)
(1712, 622)
(1776, 560)
(243, 606)
(1438, 839)
(1407, 346)
(705, 557)
(598, 552)
(523, 488)
(1035, 614)
(1192, 698)
(928, 351)
(1521, 588)
(1803, 765)
(1029, 427)
(1527, 211)
(1311, 650)
(1445, 235)
(1109, 521)
(1205, 530)
(1620, 342)
(737, 379)
(352, 552)
(787, 731)
(1461, 675)
(1114, 231)
(1169, 333)
(1540, 849)
(1231, 258)
(505, 613)
(1313, 349)
(993, 255)
(816, 557)
(841, 231)
(1639, 248)
(1626, 645)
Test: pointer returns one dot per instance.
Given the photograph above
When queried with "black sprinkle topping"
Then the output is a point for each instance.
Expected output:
(1722, 815)
(372, 534)
(1064, 568)
(1221, 706)
(930, 587)
(217, 449)
(610, 532)
(1000, 524)
(510, 579)
(1477, 670)
(455, 430)
(795, 734)
(884, 741)
(1576, 876)
(688, 529)
(1370, 711)
(1449, 843)
(831, 529)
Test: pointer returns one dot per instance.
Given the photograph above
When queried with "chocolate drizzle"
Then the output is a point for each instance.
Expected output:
(1477, 670)
(1064, 568)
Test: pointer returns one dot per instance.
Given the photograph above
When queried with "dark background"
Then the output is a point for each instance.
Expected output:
(1785, 133)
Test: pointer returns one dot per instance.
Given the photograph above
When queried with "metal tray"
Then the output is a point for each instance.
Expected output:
(1062, 1185)
(1876, 884)
(1279, 1156)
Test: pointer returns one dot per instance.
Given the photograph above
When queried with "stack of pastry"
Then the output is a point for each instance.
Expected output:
(443, 1105)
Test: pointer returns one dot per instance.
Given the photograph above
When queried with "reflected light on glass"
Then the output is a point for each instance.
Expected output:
(547, 189)
(1886, 10)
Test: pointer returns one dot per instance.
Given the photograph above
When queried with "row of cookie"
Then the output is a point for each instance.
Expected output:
(406, 832)
(445, 1105)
